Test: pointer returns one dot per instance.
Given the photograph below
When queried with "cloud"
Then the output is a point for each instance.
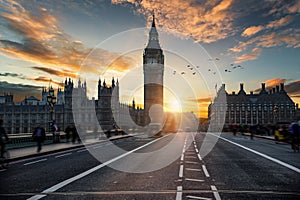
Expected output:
(281, 22)
(46, 80)
(252, 31)
(61, 73)
(293, 88)
(40, 40)
(250, 56)
(207, 21)
(9, 74)
(273, 82)
(20, 90)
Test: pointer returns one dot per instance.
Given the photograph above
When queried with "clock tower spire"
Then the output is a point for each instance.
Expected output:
(153, 67)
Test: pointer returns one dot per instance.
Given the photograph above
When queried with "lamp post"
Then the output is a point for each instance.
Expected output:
(51, 99)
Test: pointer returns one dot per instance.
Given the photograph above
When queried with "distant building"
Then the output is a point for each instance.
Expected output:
(265, 108)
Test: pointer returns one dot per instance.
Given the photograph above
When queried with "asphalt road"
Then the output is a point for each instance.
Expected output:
(236, 168)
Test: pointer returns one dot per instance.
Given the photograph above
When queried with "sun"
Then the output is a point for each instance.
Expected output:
(175, 106)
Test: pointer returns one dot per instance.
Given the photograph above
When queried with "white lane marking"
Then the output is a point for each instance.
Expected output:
(196, 150)
(62, 155)
(2, 170)
(192, 169)
(190, 156)
(83, 174)
(199, 156)
(29, 163)
(82, 150)
(192, 179)
(191, 162)
(179, 193)
(194, 197)
(98, 146)
(182, 156)
(262, 155)
(215, 192)
(181, 171)
(205, 171)
(36, 197)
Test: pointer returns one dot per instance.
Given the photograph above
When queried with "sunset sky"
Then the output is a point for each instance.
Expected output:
(224, 41)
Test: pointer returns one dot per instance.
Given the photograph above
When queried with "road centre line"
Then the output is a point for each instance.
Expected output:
(192, 179)
(215, 192)
(181, 171)
(83, 174)
(191, 162)
(66, 154)
(179, 193)
(198, 154)
(261, 154)
(36, 161)
(194, 197)
(192, 169)
(182, 157)
(205, 171)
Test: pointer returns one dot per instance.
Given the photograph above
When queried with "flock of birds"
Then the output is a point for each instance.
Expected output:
(228, 69)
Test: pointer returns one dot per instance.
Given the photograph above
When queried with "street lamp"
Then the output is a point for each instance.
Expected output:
(51, 99)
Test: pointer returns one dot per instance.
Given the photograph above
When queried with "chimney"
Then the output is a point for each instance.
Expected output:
(281, 86)
(277, 88)
(241, 86)
(263, 86)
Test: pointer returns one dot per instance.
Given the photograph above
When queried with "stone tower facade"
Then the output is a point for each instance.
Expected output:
(153, 68)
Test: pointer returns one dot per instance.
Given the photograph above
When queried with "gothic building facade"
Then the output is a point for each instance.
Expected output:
(153, 68)
(73, 105)
(264, 108)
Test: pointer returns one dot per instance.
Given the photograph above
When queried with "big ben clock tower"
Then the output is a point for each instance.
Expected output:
(153, 67)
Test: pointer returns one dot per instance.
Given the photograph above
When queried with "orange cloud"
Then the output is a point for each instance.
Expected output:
(281, 22)
(44, 42)
(246, 57)
(275, 81)
(207, 21)
(252, 31)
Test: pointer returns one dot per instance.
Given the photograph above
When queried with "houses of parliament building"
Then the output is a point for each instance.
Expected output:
(73, 106)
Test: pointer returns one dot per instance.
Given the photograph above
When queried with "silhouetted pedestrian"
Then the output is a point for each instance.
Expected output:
(68, 132)
(75, 135)
(39, 136)
(234, 129)
(3, 138)
(294, 132)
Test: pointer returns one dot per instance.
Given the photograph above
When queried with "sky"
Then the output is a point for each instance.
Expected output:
(205, 43)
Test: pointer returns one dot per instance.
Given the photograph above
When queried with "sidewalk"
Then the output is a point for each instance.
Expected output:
(28, 152)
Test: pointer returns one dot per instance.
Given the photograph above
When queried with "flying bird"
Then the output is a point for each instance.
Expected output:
(194, 73)
(209, 70)
(188, 66)
(191, 68)
(197, 66)
(182, 72)
(174, 72)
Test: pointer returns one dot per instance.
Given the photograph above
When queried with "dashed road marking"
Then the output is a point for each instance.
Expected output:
(192, 179)
(200, 158)
(192, 169)
(182, 157)
(98, 147)
(66, 154)
(215, 192)
(191, 162)
(205, 171)
(36, 161)
(194, 197)
(179, 193)
(190, 156)
(181, 171)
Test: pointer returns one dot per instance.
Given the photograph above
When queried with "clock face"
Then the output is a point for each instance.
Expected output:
(152, 60)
